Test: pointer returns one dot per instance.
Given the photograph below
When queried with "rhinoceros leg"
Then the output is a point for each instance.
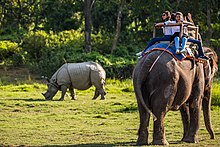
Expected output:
(63, 92)
(96, 94)
(103, 93)
(72, 93)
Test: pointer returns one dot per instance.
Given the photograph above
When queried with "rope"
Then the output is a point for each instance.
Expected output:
(159, 57)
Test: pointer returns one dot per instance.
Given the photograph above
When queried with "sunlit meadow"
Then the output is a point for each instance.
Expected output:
(27, 119)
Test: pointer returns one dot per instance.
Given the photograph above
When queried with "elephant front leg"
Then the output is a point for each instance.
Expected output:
(159, 137)
(195, 103)
(144, 125)
(191, 135)
(184, 109)
(72, 93)
(63, 92)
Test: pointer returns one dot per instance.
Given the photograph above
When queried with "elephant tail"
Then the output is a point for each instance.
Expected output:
(145, 106)
(206, 106)
(137, 88)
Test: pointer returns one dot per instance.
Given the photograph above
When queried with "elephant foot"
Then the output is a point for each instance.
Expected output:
(190, 140)
(142, 138)
(160, 142)
(142, 141)
(73, 98)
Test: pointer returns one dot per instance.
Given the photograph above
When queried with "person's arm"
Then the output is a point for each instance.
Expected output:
(160, 24)
(188, 23)
(174, 24)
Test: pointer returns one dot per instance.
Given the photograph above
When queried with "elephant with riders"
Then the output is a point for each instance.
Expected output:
(165, 80)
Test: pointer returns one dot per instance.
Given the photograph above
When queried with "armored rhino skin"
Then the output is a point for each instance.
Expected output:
(77, 76)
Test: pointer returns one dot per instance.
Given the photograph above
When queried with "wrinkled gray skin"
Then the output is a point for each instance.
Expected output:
(172, 85)
(79, 76)
(206, 101)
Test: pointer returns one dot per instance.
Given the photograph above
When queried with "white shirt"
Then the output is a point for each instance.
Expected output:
(167, 30)
(177, 29)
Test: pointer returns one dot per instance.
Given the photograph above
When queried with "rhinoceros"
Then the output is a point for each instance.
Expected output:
(79, 76)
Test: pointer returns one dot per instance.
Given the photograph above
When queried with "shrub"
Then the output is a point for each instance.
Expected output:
(215, 93)
(47, 51)
(10, 53)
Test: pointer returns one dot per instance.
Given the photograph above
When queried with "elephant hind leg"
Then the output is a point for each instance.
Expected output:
(144, 125)
(159, 137)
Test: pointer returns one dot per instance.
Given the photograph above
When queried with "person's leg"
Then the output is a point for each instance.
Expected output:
(200, 49)
(177, 44)
(184, 40)
(151, 42)
(154, 40)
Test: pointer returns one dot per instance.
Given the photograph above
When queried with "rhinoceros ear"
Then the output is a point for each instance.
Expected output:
(44, 77)
(48, 80)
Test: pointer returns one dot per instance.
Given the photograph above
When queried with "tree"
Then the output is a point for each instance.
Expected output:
(88, 24)
(58, 15)
(118, 26)
(17, 15)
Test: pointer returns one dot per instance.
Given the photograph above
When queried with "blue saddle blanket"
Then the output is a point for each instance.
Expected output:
(165, 46)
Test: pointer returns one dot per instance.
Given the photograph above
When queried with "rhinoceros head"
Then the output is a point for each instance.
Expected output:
(51, 91)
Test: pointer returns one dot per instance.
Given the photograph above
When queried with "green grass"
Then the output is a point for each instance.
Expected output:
(216, 93)
(27, 119)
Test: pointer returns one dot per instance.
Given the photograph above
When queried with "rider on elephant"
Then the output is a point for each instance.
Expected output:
(185, 37)
(167, 31)
(172, 33)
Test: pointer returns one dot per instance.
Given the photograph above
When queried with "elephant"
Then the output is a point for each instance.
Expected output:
(173, 85)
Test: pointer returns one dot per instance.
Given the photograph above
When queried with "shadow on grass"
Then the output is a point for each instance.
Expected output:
(109, 145)
(95, 145)
(175, 142)
(28, 100)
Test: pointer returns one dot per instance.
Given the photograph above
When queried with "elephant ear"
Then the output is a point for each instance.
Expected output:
(207, 73)
(213, 59)
(211, 67)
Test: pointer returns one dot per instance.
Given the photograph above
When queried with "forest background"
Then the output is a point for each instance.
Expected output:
(41, 35)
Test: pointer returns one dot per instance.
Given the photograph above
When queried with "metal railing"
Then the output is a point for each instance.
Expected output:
(189, 27)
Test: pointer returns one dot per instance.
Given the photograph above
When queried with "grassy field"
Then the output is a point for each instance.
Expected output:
(27, 119)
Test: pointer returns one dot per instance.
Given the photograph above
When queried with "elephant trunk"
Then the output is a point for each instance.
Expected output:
(206, 105)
